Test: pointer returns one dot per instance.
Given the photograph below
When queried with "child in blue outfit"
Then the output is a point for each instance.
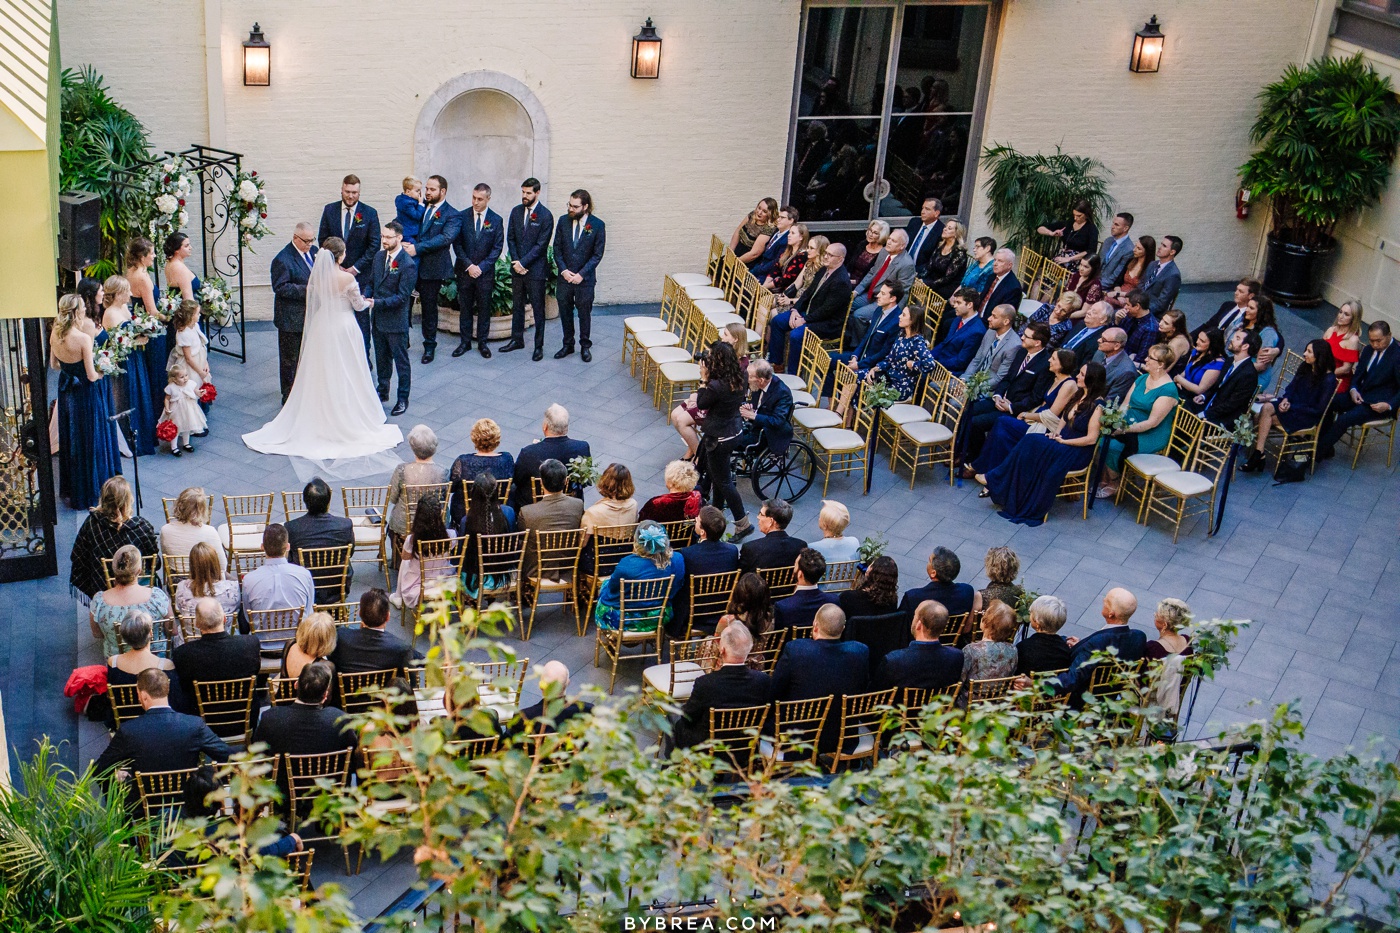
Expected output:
(410, 208)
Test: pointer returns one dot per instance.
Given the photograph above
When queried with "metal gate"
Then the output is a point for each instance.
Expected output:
(27, 513)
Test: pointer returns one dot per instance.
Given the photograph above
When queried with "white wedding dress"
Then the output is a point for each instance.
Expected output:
(333, 412)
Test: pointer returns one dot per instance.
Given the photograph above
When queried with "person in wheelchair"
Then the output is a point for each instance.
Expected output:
(768, 412)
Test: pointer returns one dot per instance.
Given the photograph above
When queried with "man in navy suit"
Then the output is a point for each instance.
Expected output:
(160, 739)
(527, 237)
(924, 233)
(1162, 280)
(291, 270)
(392, 278)
(823, 665)
(480, 239)
(578, 248)
(768, 410)
(358, 225)
(432, 249)
(776, 548)
(1022, 389)
(557, 445)
(960, 345)
(822, 307)
(799, 609)
(1231, 313)
(1375, 389)
(1118, 607)
(709, 554)
(1235, 392)
(883, 332)
(1084, 342)
(1004, 288)
(926, 663)
(943, 568)
(732, 685)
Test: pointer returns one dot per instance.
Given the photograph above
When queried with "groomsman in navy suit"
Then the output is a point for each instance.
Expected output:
(531, 227)
(578, 248)
(393, 273)
(291, 270)
(477, 247)
(432, 249)
(358, 225)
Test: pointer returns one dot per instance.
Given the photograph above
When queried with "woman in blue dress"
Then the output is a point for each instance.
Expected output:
(908, 359)
(1202, 370)
(1027, 482)
(1008, 430)
(145, 298)
(88, 454)
(131, 389)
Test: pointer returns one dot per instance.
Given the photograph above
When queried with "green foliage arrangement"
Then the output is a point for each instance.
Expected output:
(1025, 191)
(880, 394)
(871, 547)
(979, 385)
(1327, 134)
(501, 296)
(582, 472)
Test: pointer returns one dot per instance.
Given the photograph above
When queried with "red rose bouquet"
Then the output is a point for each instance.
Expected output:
(166, 432)
(207, 393)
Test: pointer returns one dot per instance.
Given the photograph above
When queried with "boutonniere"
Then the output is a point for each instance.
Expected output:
(532, 215)
(587, 228)
(393, 265)
(359, 218)
(486, 225)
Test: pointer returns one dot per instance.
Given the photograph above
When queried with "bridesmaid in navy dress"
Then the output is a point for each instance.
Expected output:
(145, 295)
(87, 439)
(132, 388)
(1027, 482)
(1008, 430)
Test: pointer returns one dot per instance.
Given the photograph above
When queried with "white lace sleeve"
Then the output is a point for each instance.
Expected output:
(352, 294)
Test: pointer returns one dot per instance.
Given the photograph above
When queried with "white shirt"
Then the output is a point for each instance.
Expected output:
(347, 214)
(478, 218)
(579, 225)
(918, 239)
(428, 213)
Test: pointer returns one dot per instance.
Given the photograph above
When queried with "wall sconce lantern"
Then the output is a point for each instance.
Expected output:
(257, 59)
(1147, 49)
(646, 52)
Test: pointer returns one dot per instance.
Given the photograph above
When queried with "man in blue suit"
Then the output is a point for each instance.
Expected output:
(821, 666)
(291, 270)
(1162, 280)
(1375, 389)
(527, 237)
(480, 239)
(768, 410)
(799, 609)
(926, 663)
(1129, 643)
(393, 274)
(557, 445)
(432, 250)
(358, 225)
(709, 554)
(883, 332)
(957, 349)
(943, 569)
(578, 248)
(925, 231)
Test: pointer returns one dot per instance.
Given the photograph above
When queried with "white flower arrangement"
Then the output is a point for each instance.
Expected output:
(216, 301)
(247, 207)
(145, 324)
(169, 303)
(167, 185)
(106, 363)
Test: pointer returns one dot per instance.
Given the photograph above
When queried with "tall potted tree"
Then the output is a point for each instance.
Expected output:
(1326, 134)
(1025, 191)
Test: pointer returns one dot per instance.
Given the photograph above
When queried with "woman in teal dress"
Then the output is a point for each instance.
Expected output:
(87, 448)
(1148, 407)
(908, 359)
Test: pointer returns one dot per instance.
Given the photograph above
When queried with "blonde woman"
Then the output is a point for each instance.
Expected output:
(816, 253)
(486, 458)
(108, 527)
(205, 580)
(1345, 337)
(681, 501)
(877, 232)
(189, 525)
(1169, 650)
(126, 595)
(751, 236)
(314, 642)
(132, 388)
(948, 264)
(87, 438)
(835, 545)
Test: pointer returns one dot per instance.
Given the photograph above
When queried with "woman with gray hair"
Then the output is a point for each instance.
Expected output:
(1172, 616)
(135, 631)
(651, 558)
(1044, 649)
(421, 472)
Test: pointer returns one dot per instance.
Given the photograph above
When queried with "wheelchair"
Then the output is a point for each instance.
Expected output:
(786, 475)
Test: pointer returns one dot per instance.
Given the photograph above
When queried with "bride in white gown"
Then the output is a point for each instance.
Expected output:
(333, 411)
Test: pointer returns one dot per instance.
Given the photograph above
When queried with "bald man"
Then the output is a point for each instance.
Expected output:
(554, 684)
(291, 270)
(1118, 607)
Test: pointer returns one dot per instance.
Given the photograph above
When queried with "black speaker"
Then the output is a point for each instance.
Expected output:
(79, 241)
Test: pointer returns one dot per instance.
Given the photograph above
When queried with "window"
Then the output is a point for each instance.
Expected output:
(886, 110)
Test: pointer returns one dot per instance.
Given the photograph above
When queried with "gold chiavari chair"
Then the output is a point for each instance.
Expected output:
(817, 417)
(989, 690)
(368, 511)
(1028, 267)
(503, 487)
(329, 567)
(343, 613)
(680, 534)
(834, 344)
(797, 727)
(641, 616)
(930, 443)
(176, 568)
(845, 450)
(437, 564)
(1077, 483)
(162, 793)
(274, 628)
(690, 660)
(245, 562)
(246, 517)
(413, 494)
(499, 684)
(734, 734)
(712, 266)
(293, 505)
(861, 717)
(631, 326)
(150, 571)
(226, 706)
(281, 690)
(708, 598)
(769, 645)
(125, 703)
(356, 689)
(304, 772)
(1179, 495)
(928, 396)
(598, 558)
(550, 569)
(840, 575)
(1358, 436)
(957, 630)
(782, 581)
(499, 570)
(1139, 470)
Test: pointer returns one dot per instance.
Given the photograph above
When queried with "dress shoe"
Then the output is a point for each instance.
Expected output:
(485, 351)
(563, 352)
(400, 408)
(462, 348)
(538, 354)
(742, 529)
(428, 356)
(1254, 463)
(587, 354)
(187, 447)
(204, 433)
(513, 346)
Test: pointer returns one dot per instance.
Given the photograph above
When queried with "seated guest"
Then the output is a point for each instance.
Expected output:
(1023, 388)
(318, 528)
(1259, 319)
(485, 516)
(963, 339)
(1301, 406)
(798, 610)
(1059, 317)
(1078, 236)
(876, 592)
(1202, 371)
(896, 269)
(215, 654)
(306, 726)
(814, 253)
(776, 548)
(203, 800)
(835, 545)
(1119, 369)
(790, 259)
(1085, 281)
(124, 668)
(160, 739)
(108, 527)
(1231, 313)
(1238, 383)
(979, 272)
(1044, 649)
(680, 501)
(822, 307)
(554, 708)
(1001, 566)
(1139, 326)
(315, 641)
(616, 507)
(1171, 617)
(1162, 281)
(909, 358)
(1149, 407)
(188, 525)
(943, 569)
(767, 414)
(999, 344)
(204, 582)
(1135, 272)
(709, 554)
(1374, 393)
(486, 458)
(1008, 430)
(926, 663)
(421, 472)
(877, 233)
(870, 351)
(428, 526)
(688, 416)
(1129, 643)
(1116, 250)
(555, 511)
(277, 584)
(557, 445)
(1343, 335)
(995, 655)
(1084, 342)
(370, 647)
(1028, 480)
(732, 685)
(753, 233)
(947, 264)
(651, 558)
(823, 665)
(1005, 287)
(1172, 334)
(127, 595)
(750, 605)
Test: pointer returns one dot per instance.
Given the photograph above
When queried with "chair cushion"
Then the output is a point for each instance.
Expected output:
(246, 537)
(657, 338)
(658, 677)
(723, 319)
(1185, 484)
(368, 534)
(681, 371)
(660, 355)
(791, 381)
(703, 292)
(814, 418)
(685, 279)
(927, 432)
(708, 306)
(801, 398)
(838, 439)
(643, 323)
(1380, 422)
(907, 414)
(1153, 464)
(1029, 306)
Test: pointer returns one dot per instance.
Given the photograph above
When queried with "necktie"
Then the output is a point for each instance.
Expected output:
(347, 216)
(428, 217)
(478, 221)
(307, 256)
(1374, 356)
(578, 226)
(1023, 366)
(875, 282)
(1077, 339)
(918, 240)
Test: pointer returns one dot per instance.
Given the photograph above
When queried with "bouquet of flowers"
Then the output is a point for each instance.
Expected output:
(167, 184)
(168, 303)
(145, 324)
(881, 395)
(871, 547)
(979, 385)
(247, 207)
(216, 301)
(1113, 419)
(122, 341)
(207, 393)
(106, 363)
(1243, 432)
(166, 432)
(582, 472)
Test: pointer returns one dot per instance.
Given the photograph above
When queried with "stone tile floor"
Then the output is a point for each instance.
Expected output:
(1314, 566)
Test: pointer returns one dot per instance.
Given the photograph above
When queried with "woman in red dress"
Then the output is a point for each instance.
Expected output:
(1345, 338)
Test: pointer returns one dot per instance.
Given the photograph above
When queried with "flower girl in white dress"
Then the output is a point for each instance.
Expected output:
(182, 408)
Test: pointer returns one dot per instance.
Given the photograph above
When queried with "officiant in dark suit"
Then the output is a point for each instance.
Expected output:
(393, 274)
(291, 270)
(432, 249)
(358, 225)
(480, 239)
(531, 228)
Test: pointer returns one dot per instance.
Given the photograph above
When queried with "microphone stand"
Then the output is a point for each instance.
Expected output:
(129, 431)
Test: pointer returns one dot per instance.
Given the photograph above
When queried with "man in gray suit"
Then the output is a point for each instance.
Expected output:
(893, 264)
(999, 345)
(555, 511)
(1162, 280)
(1119, 365)
(1116, 251)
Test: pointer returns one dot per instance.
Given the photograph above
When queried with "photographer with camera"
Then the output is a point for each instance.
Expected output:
(721, 393)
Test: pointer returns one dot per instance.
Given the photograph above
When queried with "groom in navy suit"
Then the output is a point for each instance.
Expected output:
(291, 270)
(531, 228)
(358, 225)
(393, 273)
(478, 246)
(578, 248)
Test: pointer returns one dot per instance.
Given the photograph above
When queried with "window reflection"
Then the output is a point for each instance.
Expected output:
(834, 164)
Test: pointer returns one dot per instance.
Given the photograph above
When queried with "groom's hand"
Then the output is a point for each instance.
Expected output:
(519, 269)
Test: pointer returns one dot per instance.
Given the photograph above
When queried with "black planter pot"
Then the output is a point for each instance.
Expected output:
(1293, 273)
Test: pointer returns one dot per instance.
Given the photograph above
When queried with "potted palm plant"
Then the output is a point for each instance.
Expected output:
(1026, 190)
(1326, 135)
